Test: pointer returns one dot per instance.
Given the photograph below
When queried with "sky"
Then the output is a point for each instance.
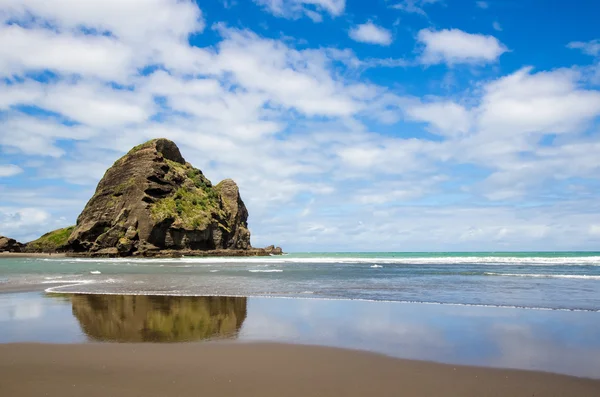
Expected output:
(383, 125)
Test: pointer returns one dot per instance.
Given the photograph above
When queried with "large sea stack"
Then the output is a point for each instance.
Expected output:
(152, 200)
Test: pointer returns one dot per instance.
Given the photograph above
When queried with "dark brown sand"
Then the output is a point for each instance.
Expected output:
(226, 369)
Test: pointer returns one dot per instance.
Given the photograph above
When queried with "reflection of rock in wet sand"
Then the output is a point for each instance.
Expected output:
(130, 318)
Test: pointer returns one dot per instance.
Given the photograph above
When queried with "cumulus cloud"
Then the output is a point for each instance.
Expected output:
(371, 33)
(544, 102)
(453, 46)
(591, 47)
(414, 6)
(9, 170)
(446, 118)
(310, 8)
(306, 138)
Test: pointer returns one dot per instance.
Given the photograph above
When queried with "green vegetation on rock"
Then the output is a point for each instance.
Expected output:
(141, 146)
(51, 241)
(152, 199)
(191, 208)
(193, 205)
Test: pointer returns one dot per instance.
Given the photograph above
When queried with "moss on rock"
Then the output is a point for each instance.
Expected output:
(169, 204)
(53, 241)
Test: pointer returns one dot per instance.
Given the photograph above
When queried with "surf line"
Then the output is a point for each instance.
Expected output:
(65, 284)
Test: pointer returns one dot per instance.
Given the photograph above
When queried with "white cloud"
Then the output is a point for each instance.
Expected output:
(453, 46)
(371, 33)
(414, 6)
(296, 128)
(132, 21)
(297, 8)
(545, 102)
(446, 118)
(497, 27)
(19, 221)
(105, 39)
(99, 56)
(37, 136)
(591, 47)
(9, 170)
(482, 4)
(292, 78)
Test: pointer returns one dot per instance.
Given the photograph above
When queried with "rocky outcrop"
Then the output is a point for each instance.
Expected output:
(10, 245)
(131, 318)
(152, 200)
(272, 250)
(54, 241)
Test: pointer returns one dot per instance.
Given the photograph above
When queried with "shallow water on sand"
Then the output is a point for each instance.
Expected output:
(559, 281)
(557, 341)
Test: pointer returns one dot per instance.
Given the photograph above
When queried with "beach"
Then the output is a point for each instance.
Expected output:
(31, 255)
(305, 325)
(224, 369)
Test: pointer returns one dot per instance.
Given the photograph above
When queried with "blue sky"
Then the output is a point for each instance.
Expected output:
(415, 125)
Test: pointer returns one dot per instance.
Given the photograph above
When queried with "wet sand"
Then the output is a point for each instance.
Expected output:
(225, 369)
(30, 255)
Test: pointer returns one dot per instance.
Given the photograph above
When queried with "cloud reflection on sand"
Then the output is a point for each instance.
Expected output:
(515, 338)
(556, 341)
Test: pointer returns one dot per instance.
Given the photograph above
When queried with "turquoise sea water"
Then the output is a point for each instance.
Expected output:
(530, 310)
(538, 280)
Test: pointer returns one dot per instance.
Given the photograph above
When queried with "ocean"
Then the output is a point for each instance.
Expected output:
(535, 280)
(537, 310)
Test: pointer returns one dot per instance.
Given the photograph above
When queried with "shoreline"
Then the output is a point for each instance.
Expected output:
(257, 369)
(54, 289)
(31, 255)
(254, 252)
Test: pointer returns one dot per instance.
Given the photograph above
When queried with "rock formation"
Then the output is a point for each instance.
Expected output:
(54, 241)
(10, 245)
(131, 318)
(152, 200)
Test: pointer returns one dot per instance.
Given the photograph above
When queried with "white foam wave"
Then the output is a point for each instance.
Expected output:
(265, 270)
(54, 282)
(375, 301)
(376, 266)
(65, 283)
(72, 283)
(442, 260)
(95, 272)
(574, 276)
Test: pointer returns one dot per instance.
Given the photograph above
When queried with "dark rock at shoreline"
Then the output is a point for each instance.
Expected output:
(10, 245)
(151, 202)
(272, 250)
(113, 253)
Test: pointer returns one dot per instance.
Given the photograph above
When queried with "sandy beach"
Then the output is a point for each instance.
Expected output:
(225, 369)
(30, 255)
